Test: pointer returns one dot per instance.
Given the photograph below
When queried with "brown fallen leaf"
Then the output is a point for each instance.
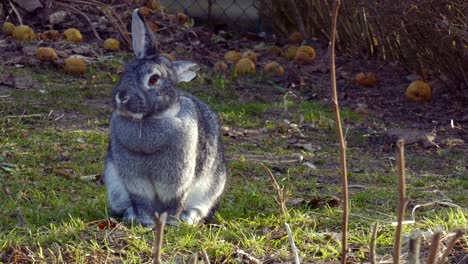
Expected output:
(320, 202)
(277, 234)
(107, 224)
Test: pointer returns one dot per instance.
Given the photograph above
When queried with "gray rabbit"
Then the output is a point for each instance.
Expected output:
(165, 152)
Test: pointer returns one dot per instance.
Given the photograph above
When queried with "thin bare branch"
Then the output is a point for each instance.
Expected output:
(293, 245)
(454, 239)
(282, 203)
(205, 256)
(372, 255)
(401, 200)
(344, 172)
(20, 20)
(413, 251)
(159, 230)
(435, 245)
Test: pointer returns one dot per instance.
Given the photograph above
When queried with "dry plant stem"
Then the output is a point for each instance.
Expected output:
(293, 245)
(414, 246)
(372, 255)
(282, 203)
(193, 259)
(16, 13)
(454, 239)
(344, 172)
(434, 250)
(159, 230)
(401, 200)
(205, 257)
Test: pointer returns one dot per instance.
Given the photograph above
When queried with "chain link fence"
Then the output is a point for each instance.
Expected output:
(235, 14)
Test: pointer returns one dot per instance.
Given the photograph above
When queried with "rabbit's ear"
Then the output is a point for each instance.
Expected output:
(185, 70)
(144, 41)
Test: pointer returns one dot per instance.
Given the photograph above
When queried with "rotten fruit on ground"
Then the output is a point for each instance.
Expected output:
(74, 65)
(23, 32)
(8, 28)
(220, 66)
(368, 79)
(49, 35)
(302, 58)
(46, 54)
(245, 66)
(250, 55)
(307, 49)
(111, 44)
(296, 38)
(275, 51)
(291, 52)
(182, 18)
(232, 56)
(274, 68)
(419, 91)
(168, 56)
(73, 35)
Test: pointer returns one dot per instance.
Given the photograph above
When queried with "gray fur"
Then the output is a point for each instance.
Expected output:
(165, 151)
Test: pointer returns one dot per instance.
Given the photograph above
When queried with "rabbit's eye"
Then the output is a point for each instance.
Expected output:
(153, 79)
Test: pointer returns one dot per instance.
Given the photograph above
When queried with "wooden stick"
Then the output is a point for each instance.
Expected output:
(372, 255)
(159, 230)
(401, 200)
(344, 172)
(413, 251)
(434, 250)
(454, 239)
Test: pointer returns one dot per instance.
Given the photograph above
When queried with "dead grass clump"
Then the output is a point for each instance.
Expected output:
(427, 37)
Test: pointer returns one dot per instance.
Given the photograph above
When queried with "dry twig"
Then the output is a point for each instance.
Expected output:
(20, 20)
(282, 203)
(451, 244)
(159, 230)
(344, 173)
(372, 255)
(193, 259)
(205, 256)
(401, 200)
(435, 245)
(413, 251)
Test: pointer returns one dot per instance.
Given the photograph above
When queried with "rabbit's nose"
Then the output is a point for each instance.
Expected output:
(122, 97)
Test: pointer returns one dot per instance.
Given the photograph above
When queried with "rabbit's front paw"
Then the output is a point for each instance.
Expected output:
(143, 219)
(191, 216)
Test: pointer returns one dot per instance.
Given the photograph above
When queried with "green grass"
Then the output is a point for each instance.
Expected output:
(51, 210)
